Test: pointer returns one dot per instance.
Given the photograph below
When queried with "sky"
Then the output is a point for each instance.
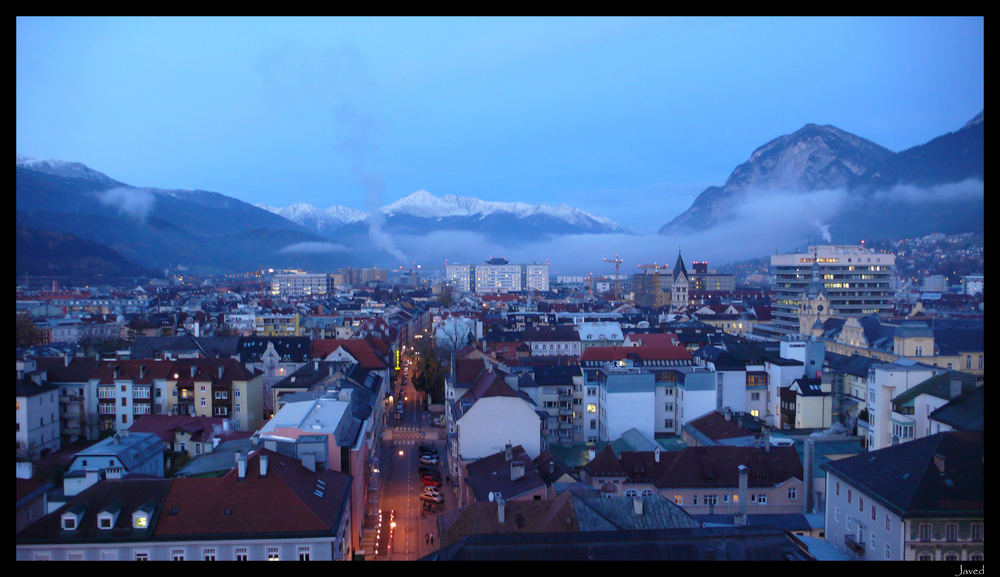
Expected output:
(627, 118)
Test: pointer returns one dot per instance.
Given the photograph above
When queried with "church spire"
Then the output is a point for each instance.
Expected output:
(679, 267)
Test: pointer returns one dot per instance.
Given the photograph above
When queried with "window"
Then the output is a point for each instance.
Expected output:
(888, 551)
(141, 556)
(887, 523)
(951, 532)
(925, 557)
(711, 499)
(873, 512)
(203, 401)
(678, 499)
(104, 522)
(977, 532)
(694, 500)
(631, 493)
(836, 514)
(849, 496)
(208, 554)
(177, 554)
(792, 493)
(272, 554)
(240, 553)
(925, 531)
(305, 553)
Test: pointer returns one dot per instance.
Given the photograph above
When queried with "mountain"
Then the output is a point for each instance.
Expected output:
(420, 212)
(927, 188)
(42, 253)
(155, 228)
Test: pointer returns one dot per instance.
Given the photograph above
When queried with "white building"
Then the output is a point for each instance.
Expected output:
(885, 382)
(498, 276)
(37, 414)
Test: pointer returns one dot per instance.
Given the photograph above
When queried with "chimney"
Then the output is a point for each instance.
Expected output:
(767, 440)
(508, 452)
(221, 368)
(500, 509)
(193, 370)
(591, 453)
(807, 476)
(956, 386)
(656, 454)
(316, 365)
(743, 496)
(241, 464)
(516, 470)
(637, 505)
(728, 413)
(263, 465)
(142, 371)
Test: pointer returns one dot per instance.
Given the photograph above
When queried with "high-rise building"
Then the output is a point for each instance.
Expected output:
(301, 284)
(857, 281)
(497, 276)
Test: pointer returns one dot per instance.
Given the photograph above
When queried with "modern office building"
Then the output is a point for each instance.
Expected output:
(857, 281)
(498, 276)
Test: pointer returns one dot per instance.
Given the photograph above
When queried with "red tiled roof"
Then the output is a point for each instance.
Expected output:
(360, 349)
(282, 502)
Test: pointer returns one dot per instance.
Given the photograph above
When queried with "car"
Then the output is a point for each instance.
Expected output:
(432, 499)
(426, 452)
(429, 481)
(432, 492)
(429, 459)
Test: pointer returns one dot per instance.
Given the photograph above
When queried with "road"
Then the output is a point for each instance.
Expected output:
(401, 485)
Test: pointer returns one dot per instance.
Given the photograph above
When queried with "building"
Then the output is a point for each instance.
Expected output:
(886, 381)
(269, 507)
(857, 280)
(916, 501)
(497, 275)
(277, 325)
(37, 416)
(301, 284)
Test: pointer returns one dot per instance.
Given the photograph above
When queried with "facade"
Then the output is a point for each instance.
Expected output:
(857, 280)
(301, 284)
(37, 415)
(277, 325)
(886, 381)
(498, 276)
(917, 501)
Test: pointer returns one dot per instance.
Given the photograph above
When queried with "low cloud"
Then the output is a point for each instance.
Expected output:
(969, 189)
(133, 202)
(311, 248)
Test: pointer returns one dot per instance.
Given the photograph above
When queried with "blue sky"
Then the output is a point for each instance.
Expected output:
(628, 118)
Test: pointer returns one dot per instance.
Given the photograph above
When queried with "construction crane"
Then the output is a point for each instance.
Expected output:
(618, 264)
(590, 278)
(656, 268)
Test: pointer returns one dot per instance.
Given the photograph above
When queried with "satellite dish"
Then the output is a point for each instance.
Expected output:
(491, 496)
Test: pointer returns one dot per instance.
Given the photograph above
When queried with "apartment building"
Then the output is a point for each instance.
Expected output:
(916, 501)
(497, 275)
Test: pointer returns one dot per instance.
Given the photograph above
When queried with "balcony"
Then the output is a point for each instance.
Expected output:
(852, 544)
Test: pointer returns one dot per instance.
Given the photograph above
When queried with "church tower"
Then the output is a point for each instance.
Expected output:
(814, 306)
(679, 287)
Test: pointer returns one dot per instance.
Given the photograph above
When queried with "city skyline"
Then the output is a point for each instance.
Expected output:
(360, 112)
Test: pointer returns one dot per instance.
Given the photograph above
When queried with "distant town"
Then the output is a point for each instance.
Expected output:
(824, 403)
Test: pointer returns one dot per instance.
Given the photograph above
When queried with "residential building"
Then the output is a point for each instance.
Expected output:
(269, 507)
(558, 340)
(284, 285)
(114, 457)
(912, 409)
(806, 404)
(37, 415)
(498, 275)
(509, 475)
(705, 480)
(277, 325)
(558, 391)
(916, 501)
(886, 381)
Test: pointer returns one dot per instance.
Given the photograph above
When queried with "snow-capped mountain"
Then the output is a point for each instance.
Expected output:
(320, 219)
(458, 211)
(65, 169)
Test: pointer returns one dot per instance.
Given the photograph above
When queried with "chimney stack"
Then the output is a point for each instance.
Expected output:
(500, 507)
(241, 464)
(508, 452)
(263, 465)
(656, 454)
(743, 496)
(637, 505)
(767, 440)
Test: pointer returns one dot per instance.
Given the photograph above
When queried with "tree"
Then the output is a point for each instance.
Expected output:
(430, 372)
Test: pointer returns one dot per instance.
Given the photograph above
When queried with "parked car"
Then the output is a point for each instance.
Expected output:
(427, 449)
(432, 499)
(432, 491)
(429, 481)
(429, 459)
